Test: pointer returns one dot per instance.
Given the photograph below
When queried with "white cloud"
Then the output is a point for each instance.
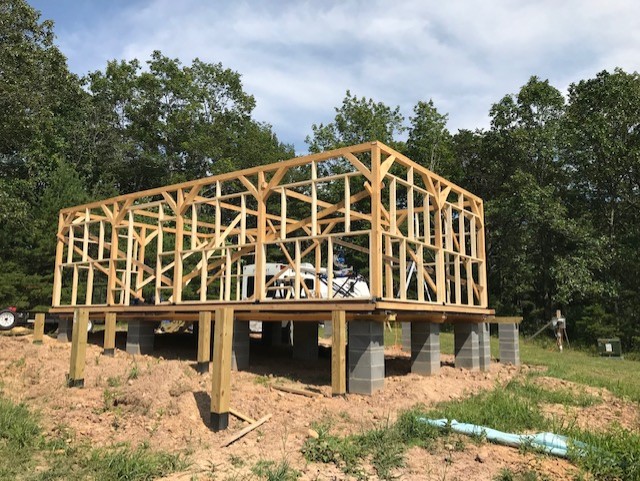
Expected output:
(299, 57)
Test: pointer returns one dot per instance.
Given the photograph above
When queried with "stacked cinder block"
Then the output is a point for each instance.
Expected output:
(425, 347)
(366, 357)
(140, 337)
(509, 341)
(466, 344)
(240, 346)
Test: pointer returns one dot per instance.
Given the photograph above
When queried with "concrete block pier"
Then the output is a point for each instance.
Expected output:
(366, 357)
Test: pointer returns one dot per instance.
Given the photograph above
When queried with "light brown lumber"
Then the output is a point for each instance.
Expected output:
(109, 333)
(78, 348)
(246, 431)
(339, 353)
(221, 372)
(241, 416)
(38, 328)
(295, 390)
(204, 337)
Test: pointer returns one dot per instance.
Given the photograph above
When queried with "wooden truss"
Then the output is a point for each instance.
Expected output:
(183, 247)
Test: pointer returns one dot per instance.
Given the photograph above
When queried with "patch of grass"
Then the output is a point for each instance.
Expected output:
(18, 363)
(134, 372)
(24, 447)
(114, 381)
(345, 453)
(414, 432)
(109, 399)
(261, 380)
(272, 471)
(384, 447)
(124, 463)
(618, 376)
(584, 367)
(20, 438)
(610, 456)
(567, 397)
(507, 474)
(236, 461)
(506, 409)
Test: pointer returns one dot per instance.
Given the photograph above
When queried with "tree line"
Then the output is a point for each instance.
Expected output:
(560, 176)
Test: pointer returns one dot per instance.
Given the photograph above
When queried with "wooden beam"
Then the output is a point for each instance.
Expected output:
(221, 372)
(339, 353)
(38, 328)
(78, 348)
(204, 341)
(109, 342)
(375, 241)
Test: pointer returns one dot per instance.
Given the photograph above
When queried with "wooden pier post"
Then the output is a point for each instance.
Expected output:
(109, 345)
(38, 328)
(204, 341)
(221, 372)
(78, 348)
(339, 353)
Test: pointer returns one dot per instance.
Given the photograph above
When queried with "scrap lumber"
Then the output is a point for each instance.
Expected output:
(241, 416)
(246, 431)
(295, 390)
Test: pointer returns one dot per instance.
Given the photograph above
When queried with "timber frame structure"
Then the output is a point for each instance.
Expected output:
(175, 251)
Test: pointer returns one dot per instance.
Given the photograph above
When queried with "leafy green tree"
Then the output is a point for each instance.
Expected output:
(430, 143)
(542, 254)
(357, 120)
(602, 148)
(174, 123)
(39, 108)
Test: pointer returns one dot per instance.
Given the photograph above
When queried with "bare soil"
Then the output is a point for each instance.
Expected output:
(161, 399)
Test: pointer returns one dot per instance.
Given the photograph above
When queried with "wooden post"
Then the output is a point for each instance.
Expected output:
(57, 273)
(38, 328)
(261, 234)
(179, 241)
(204, 341)
(109, 345)
(375, 242)
(78, 348)
(339, 353)
(440, 271)
(113, 256)
(482, 266)
(221, 372)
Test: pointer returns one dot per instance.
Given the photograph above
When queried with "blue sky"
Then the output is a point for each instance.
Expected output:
(298, 58)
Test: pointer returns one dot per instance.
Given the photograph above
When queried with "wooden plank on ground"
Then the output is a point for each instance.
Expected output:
(295, 390)
(241, 416)
(246, 431)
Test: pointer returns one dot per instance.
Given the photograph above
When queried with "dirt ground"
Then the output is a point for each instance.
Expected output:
(162, 400)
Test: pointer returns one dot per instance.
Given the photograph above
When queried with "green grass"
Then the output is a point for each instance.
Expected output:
(617, 375)
(515, 407)
(26, 454)
(383, 447)
(272, 471)
(20, 438)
